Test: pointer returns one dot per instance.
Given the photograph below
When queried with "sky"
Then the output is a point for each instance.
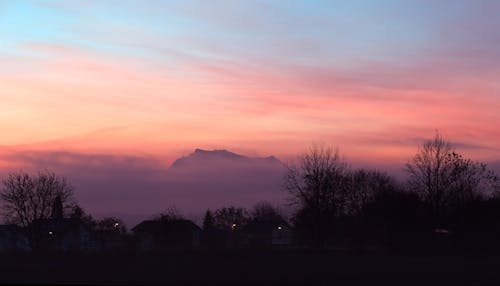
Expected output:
(157, 79)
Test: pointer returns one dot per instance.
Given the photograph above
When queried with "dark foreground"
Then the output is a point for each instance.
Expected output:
(250, 268)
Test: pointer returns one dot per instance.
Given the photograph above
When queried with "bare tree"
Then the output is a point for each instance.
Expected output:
(318, 180)
(473, 180)
(265, 211)
(443, 178)
(317, 186)
(230, 218)
(27, 197)
(363, 187)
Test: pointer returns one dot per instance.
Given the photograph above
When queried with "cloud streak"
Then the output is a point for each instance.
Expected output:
(177, 75)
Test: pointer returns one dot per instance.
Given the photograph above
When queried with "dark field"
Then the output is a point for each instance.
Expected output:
(250, 268)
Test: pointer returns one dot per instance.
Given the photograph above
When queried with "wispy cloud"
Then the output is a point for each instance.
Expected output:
(257, 75)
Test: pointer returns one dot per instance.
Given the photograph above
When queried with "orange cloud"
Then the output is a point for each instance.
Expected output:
(74, 99)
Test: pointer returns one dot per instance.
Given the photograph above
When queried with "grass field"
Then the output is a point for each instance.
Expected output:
(250, 268)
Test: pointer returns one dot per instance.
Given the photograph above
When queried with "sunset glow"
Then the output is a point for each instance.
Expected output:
(259, 78)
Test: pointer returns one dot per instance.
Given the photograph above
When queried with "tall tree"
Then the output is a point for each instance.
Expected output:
(77, 213)
(209, 236)
(29, 197)
(317, 185)
(208, 221)
(444, 179)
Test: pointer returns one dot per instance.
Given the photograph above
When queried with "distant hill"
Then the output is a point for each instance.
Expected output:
(204, 158)
(214, 178)
(135, 188)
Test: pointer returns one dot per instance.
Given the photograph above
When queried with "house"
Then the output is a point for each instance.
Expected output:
(62, 235)
(267, 233)
(13, 239)
(161, 234)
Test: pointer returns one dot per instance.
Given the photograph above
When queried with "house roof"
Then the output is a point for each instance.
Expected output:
(160, 226)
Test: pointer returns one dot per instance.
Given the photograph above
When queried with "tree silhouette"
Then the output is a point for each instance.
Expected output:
(170, 213)
(57, 211)
(77, 213)
(111, 225)
(362, 188)
(208, 221)
(445, 180)
(28, 197)
(317, 185)
(210, 234)
(230, 218)
(264, 211)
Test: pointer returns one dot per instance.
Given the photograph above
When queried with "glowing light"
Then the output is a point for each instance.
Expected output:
(441, 231)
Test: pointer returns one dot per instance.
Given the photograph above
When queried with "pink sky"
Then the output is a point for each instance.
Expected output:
(110, 94)
(373, 80)
(84, 102)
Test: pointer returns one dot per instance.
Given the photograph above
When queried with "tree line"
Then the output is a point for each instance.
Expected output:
(446, 197)
(446, 201)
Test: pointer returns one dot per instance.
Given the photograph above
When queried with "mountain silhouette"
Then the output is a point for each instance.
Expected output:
(145, 186)
(208, 158)
(214, 178)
